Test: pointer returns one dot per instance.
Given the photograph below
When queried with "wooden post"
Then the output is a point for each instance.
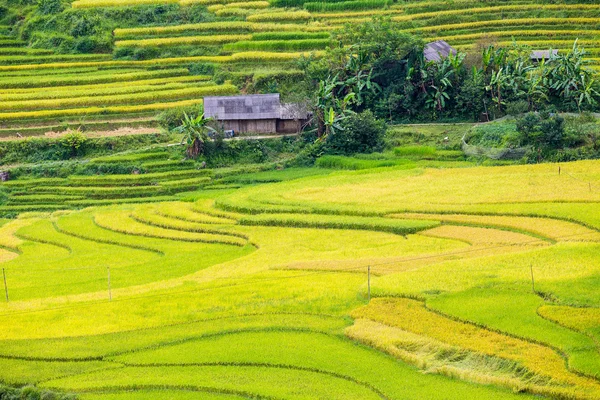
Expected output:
(5, 285)
(532, 280)
(559, 169)
(109, 291)
(369, 283)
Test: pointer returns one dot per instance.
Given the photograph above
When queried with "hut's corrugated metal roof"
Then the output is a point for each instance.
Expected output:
(543, 54)
(255, 106)
(437, 50)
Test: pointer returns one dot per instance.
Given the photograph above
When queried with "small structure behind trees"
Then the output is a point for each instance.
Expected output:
(438, 50)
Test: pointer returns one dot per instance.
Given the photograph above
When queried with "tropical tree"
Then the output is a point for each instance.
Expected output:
(195, 133)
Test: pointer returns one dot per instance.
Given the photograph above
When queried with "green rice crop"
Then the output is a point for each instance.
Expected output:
(342, 162)
(275, 45)
(400, 227)
(290, 35)
(419, 151)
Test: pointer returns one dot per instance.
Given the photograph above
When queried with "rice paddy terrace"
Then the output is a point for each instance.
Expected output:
(40, 89)
(256, 285)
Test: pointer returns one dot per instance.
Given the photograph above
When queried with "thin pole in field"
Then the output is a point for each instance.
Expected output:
(109, 291)
(369, 283)
(5, 285)
(532, 281)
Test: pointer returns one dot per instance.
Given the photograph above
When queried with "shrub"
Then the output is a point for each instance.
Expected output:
(362, 133)
(73, 140)
(542, 130)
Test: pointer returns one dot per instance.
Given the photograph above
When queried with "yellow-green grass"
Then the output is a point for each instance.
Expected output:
(184, 40)
(159, 394)
(92, 87)
(150, 215)
(541, 192)
(581, 319)
(73, 265)
(57, 80)
(249, 56)
(277, 16)
(22, 372)
(98, 110)
(514, 312)
(508, 22)
(116, 3)
(95, 347)
(518, 34)
(554, 229)
(496, 9)
(541, 361)
(220, 26)
(400, 227)
(291, 349)
(124, 222)
(185, 212)
(483, 236)
(149, 96)
(192, 316)
(99, 90)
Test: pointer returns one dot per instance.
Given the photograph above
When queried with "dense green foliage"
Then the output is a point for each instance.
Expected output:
(386, 70)
(54, 25)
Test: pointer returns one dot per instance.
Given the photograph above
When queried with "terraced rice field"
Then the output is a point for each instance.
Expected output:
(255, 284)
(250, 36)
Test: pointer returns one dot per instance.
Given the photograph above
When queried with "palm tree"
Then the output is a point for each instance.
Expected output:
(195, 132)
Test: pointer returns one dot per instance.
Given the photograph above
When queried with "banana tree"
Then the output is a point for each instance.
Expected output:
(195, 133)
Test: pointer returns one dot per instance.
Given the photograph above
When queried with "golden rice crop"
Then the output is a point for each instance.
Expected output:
(121, 221)
(186, 40)
(581, 319)
(549, 228)
(95, 91)
(116, 3)
(57, 80)
(280, 16)
(412, 316)
(226, 26)
(64, 91)
(265, 56)
(248, 4)
(200, 27)
(524, 33)
(114, 99)
(233, 12)
(508, 22)
(98, 110)
(354, 14)
(494, 9)
(481, 236)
